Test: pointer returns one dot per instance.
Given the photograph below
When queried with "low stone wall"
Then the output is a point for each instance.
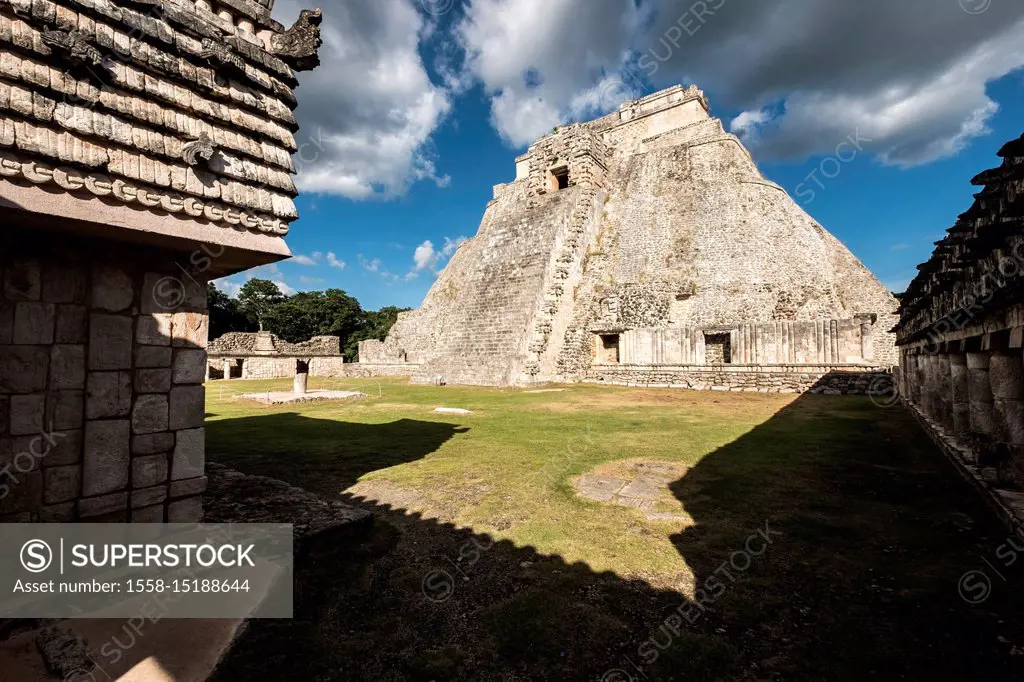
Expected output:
(367, 369)
(829, 379)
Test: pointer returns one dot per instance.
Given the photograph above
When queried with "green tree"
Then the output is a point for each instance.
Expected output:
(376, 325)
(257, 298)
(225, 313)
(316, 313)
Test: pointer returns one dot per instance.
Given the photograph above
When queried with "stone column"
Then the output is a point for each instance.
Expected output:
(942, 400)
(300, 383)
(1006, 376)
(227, 368)
(980, 393)
(959, 392)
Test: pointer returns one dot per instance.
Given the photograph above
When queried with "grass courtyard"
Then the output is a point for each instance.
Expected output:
(810, 538)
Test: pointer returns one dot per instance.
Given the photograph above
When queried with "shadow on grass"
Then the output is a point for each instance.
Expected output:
(827, 544)
(324, 456)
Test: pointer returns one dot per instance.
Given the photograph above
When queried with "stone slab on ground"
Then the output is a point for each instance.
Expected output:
(640, 485)
(234, 497)
(286, 397)
(452, 410)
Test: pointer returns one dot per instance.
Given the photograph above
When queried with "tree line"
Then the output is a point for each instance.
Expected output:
(261, 306)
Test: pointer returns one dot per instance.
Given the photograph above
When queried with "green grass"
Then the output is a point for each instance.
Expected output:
(871, 532)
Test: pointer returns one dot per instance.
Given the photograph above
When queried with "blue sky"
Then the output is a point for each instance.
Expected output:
(422, 105)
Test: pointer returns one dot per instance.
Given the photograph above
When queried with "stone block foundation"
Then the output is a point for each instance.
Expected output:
(101, 372)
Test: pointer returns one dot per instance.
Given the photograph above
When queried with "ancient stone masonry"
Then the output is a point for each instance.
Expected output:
(261, 355)
(961, 329)
(145, 148)
(651, 225)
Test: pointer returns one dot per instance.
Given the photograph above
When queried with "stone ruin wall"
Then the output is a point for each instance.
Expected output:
(145, 148)
(101, 385)
(672, 226)
(961, 336)
(262, 355)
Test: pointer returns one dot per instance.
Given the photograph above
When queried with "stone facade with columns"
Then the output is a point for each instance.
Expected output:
(262, 355)
(961, 328)
(145, 148)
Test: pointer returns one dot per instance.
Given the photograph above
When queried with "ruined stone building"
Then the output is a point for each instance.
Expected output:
(645, 247)
(961, 327)
(261, 355)
(145, 148)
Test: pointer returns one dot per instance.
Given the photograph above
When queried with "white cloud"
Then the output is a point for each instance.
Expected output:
(310, 261)
(333, 261)
(545, 62)
(369, 265)
(367, 113)
(426, 257)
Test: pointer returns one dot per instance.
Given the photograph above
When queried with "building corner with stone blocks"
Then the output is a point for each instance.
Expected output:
(145, 149)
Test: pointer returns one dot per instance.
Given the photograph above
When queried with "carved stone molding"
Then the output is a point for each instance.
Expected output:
(203, 148)
(75, 45)
(299, 45)
(218, 54)
(101, 185)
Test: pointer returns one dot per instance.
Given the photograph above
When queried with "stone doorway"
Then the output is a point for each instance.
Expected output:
(558, 178)
(607, 349)
(718, 349)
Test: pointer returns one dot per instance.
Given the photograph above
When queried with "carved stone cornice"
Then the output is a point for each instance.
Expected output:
(299, 46)
(74, 45)
(75, 180)
(203, 148)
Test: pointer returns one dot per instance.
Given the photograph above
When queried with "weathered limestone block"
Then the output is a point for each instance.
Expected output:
(154, 514)
(26, 496)
(110, 342)
(188, 487)
(65, 410)
(152, 357)
(106, 461)
(72, 322)
(34, 323)
(62, 448)
(108, 394)
(27, 413)
(63, 283)
(57, 513)
(112, 288)
(189, 454)
(91, 507)
(980, 391)
(1006, 376)
(943, 400)
(152, 380)
(62, 484)
(152, 443)
(22, 281)
(189, 366)
(67, 367)
(188, 405)
(188, 510)
(154, 329)
(149, 470)
(149, 496)
(149, 415)
(190, 330)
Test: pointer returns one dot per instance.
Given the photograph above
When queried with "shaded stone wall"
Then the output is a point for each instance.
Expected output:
(961, 329)
(102, 363)
(827, 379)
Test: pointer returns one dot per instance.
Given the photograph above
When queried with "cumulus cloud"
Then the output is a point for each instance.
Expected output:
(368, 112)
(543, 62)
(428, 258)
(334, 262)
(909, 75)
(309, 261)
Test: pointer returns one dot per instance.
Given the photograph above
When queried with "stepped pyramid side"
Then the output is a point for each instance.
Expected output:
(644, 238)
